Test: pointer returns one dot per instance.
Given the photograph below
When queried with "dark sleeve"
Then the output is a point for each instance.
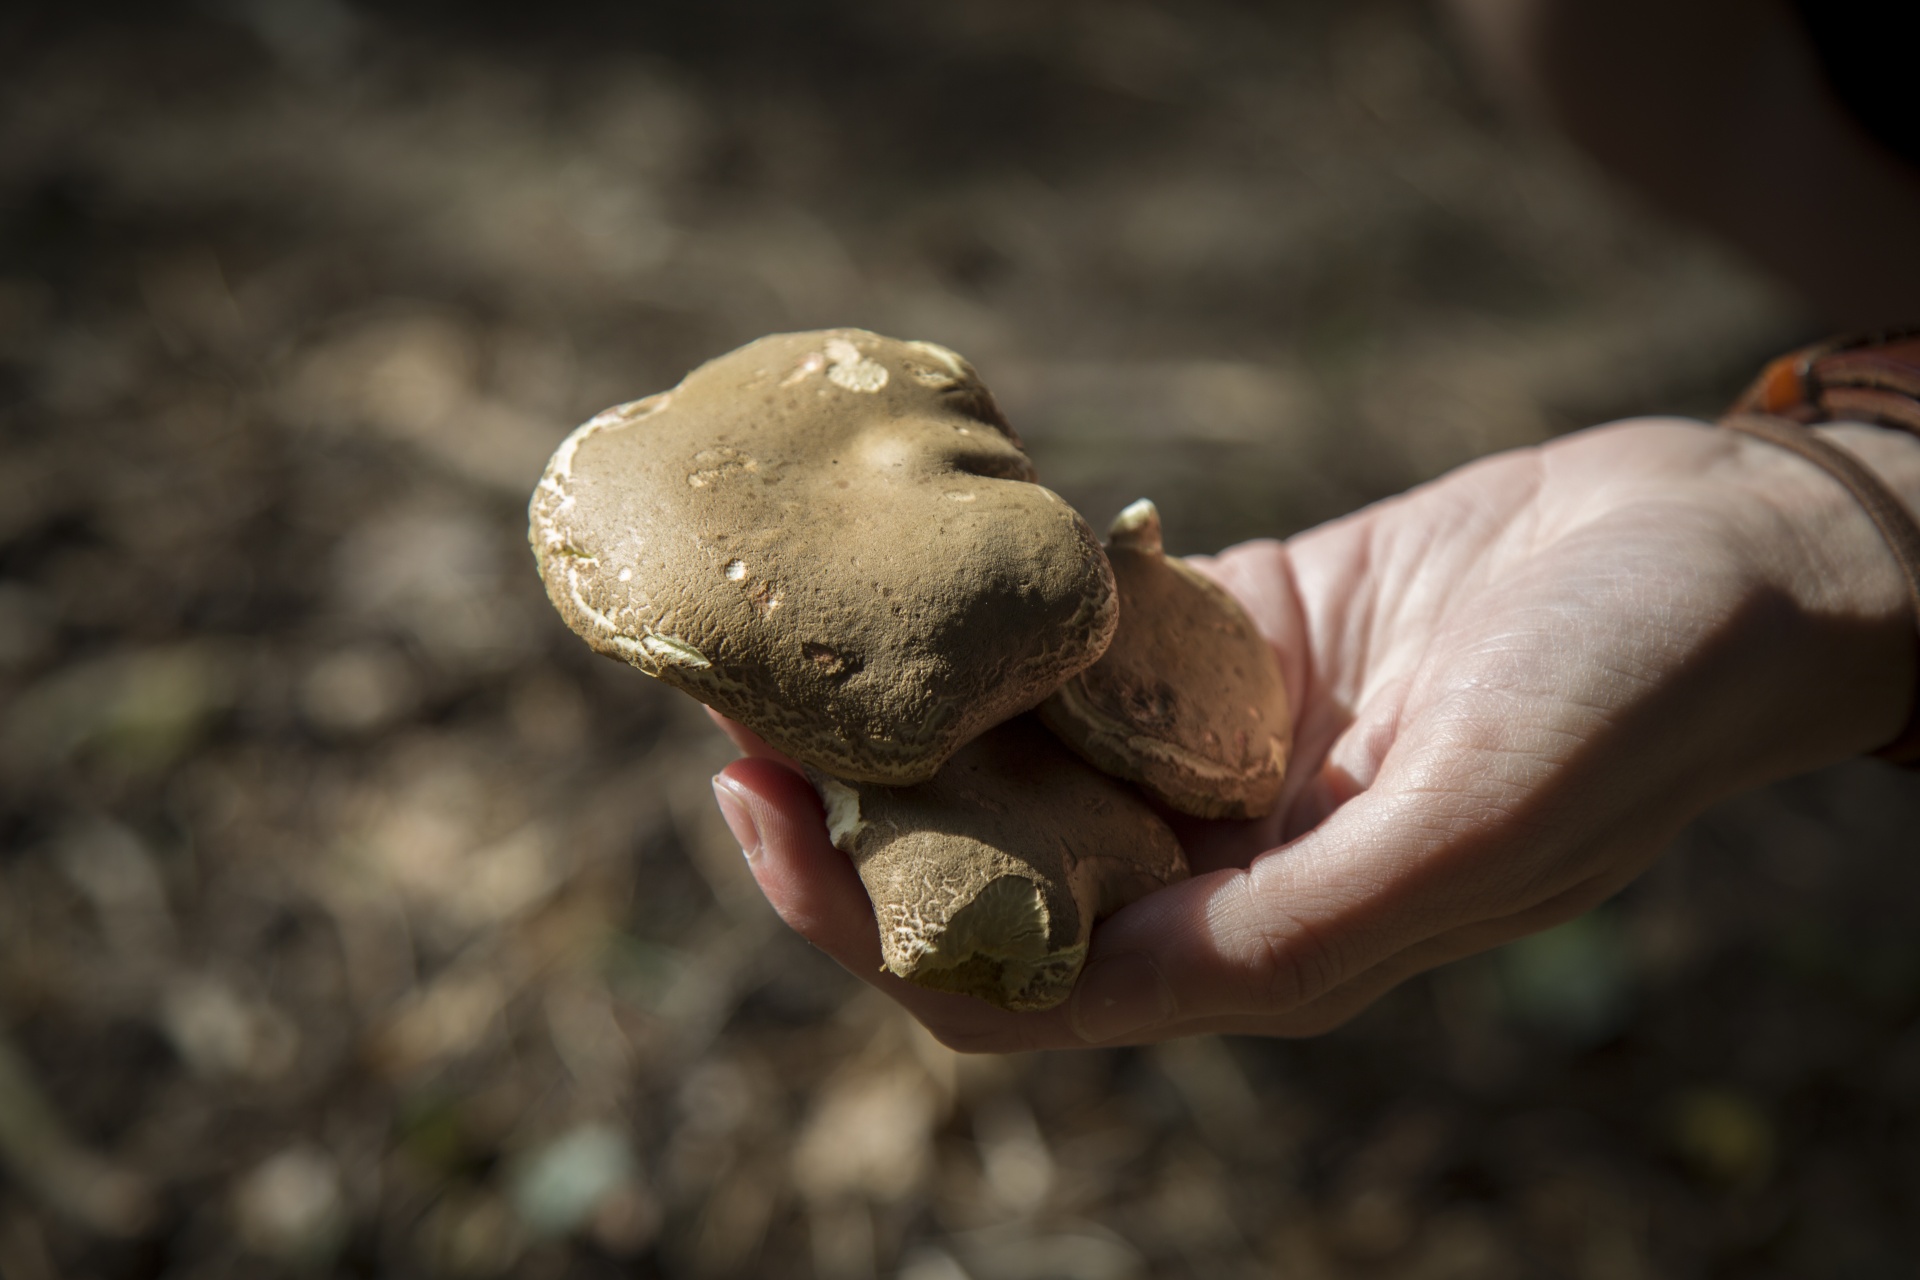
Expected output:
(1870, 68)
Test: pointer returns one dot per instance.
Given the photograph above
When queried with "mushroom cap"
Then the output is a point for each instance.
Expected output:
(1188, 700)
(988, 880)
(833, 538)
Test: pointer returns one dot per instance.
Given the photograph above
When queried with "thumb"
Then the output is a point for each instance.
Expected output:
(1257, 942)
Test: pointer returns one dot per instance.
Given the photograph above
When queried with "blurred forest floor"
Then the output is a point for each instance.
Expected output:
(355, 920)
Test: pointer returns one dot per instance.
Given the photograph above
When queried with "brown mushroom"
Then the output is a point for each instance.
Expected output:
(1188, 700)
(833, 538)
(988, 880)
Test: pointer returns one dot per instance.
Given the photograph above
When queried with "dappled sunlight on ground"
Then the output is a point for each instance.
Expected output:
(354, 918)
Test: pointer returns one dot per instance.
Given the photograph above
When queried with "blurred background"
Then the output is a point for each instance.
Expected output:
(356, 920)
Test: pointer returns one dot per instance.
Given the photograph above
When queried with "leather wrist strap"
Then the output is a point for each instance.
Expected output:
(1871, 378)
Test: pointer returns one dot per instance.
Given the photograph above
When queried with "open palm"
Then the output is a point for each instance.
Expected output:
(1511, 687)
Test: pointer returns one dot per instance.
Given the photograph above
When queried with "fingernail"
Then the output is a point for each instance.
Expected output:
(733, 807)
(1118, 996)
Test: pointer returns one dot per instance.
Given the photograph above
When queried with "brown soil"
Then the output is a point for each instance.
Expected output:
(355, 919)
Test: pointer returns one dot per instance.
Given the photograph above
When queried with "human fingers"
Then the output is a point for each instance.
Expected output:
(1466, 839)
(1268, 945)
(1354, 996)
(1447, 835)
(777, 819)
(815, 890)
(1293, 943)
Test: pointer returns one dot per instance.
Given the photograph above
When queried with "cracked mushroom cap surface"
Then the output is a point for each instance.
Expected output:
(988, 880)
(1188, 700)
(833, 538)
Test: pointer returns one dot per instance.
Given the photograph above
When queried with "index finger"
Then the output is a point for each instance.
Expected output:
(1181, 961)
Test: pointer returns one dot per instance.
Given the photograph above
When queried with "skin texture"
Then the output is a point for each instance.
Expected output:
(1512, 685)
(988, 880)
(833, 537)
(1188, 701)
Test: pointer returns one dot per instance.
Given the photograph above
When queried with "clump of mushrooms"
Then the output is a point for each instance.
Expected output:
(836, 539)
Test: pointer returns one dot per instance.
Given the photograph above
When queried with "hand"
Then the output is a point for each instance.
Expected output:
(1512, 686)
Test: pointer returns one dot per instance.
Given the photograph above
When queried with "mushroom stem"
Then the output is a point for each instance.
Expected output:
(1136, 528)
(988, 880)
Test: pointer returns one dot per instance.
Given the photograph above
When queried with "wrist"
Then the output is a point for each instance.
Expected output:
(1846, 647)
